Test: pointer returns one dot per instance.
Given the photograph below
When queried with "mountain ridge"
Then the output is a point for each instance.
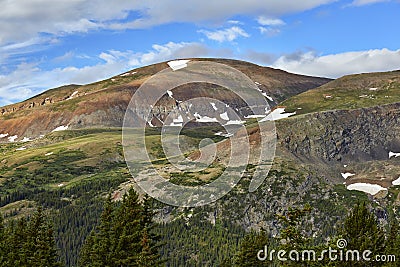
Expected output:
(103, 103)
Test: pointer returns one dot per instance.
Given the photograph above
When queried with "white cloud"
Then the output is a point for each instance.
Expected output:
(68, 55)
(269, 31)
(270, 22)
(270, 26)
(337, 65)
(229, 34)
(28, 79)
(235, 22)
(366, 2)
(24, 20)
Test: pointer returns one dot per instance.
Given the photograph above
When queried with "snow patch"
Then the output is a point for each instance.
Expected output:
(206, 119)
(254, 116)
(224, 134)
(178, 64)
(268, 97)
(234, 122)
(26, 139)
(60, 185)
(347, 175)
(48, 154)
(170, 93)
(12, 138)
(214, 106)
(72, 95)
(176, 124)
(257, 83)
(3, 135)
(178, 120)
(20, 148)
(372, 189)
(277, 114)
(396, 182)
(128, 73)
(60, 128)
(265, 95)
(393, 154)
(224, 116)
(373, 89)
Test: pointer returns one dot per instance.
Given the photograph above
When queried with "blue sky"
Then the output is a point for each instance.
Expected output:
(47, 43)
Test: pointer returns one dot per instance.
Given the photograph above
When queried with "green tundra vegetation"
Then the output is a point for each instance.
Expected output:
(72, 183)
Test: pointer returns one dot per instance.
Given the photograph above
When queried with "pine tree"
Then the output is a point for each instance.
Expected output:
(124, 236)
(105, 237)
(392, 244)
(128, 229)
(40, 244)
(3, 253)
(30, 243)
(361, 231)
(149, 256)
(249, 248)
(87, 255)
(17, 255)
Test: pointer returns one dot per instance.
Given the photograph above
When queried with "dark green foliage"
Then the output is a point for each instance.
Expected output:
(28, 243)
(362, 232)
(249, 248)
(124, 236)
(292, 232)
(393, 243)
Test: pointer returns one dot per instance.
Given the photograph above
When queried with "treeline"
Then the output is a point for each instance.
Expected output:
(360, 232)
(126, 235)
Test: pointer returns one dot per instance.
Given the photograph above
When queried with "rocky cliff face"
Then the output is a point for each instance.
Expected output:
(356, 141)
(343, 135)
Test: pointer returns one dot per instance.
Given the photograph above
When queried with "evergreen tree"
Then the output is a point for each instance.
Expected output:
(104, 244)
(249, 248)
(361, 231)
(392, 244)
(129, 229)
(29, 243)
(150, 241)
(2, 241)
(292, 234)
(124, 236)
(17, 255)
(87, 255)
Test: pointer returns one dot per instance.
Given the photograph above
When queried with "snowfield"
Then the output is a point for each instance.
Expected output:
(372, 189)
(178, 64)
(60, 128)
(277, 114)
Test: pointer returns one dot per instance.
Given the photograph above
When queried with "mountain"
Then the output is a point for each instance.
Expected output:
(103, 104)
(332, 136)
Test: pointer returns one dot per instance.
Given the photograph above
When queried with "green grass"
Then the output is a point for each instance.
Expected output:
(350, 92)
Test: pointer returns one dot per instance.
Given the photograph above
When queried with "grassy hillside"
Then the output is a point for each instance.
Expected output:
(349, 92)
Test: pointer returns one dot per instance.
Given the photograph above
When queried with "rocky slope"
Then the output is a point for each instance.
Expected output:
(103, 104)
